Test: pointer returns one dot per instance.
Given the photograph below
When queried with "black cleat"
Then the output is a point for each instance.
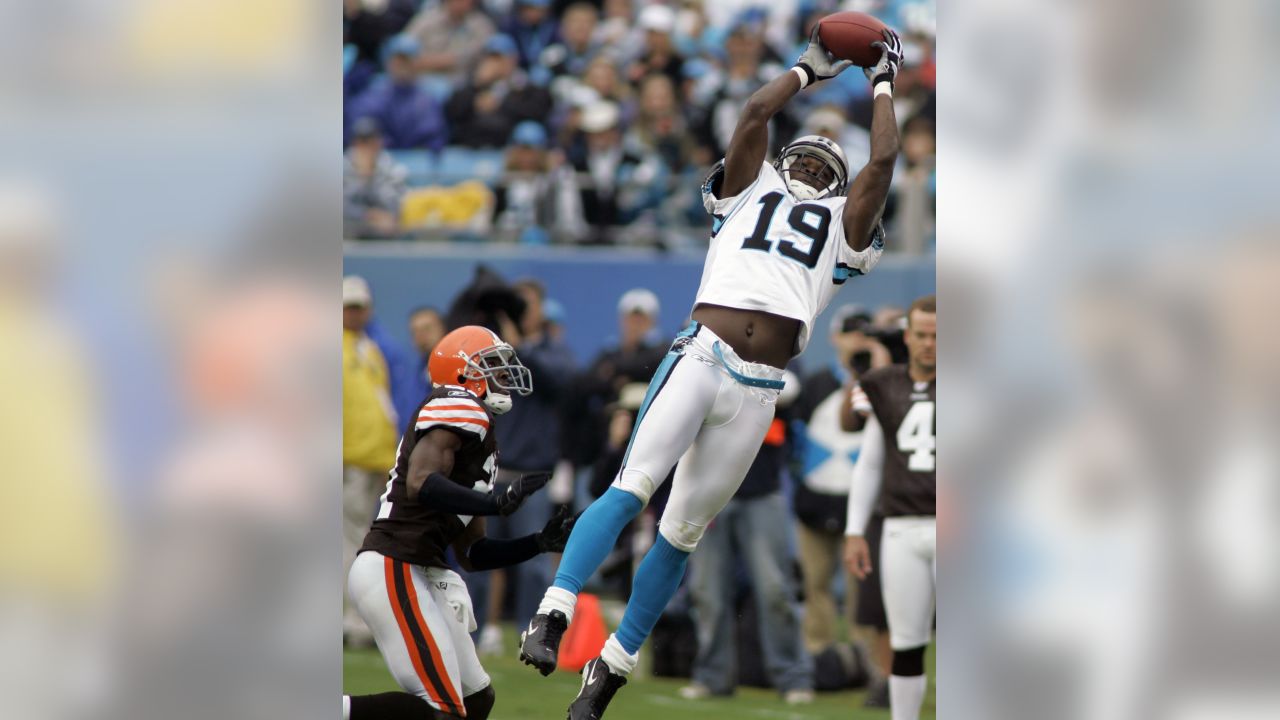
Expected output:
(599, 683)
(540, 643)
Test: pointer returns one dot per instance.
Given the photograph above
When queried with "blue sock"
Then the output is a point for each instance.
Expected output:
(594, 536)
(656, 581)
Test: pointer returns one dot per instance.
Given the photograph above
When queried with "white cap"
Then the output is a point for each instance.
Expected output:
(638, 300)
(599, 116)
(355, 291)
(825, 118)
(657, 17)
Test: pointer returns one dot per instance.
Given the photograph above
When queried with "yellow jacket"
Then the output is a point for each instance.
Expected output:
(368, 416)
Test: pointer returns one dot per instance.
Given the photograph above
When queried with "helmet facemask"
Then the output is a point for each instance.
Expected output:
(817, 182)
(502, 373)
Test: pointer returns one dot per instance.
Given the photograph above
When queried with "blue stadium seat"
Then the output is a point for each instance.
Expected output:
(421, 165)
(459, 163)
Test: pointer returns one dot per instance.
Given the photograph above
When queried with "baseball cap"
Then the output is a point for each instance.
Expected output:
(501, 45)
(638, 300)
(659, 18)
(849, 318)
(355, 292)
(599, 116)
(529, 133)
(825, 118)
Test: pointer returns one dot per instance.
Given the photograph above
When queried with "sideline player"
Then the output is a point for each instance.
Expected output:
(785, 239)
(897, 466)
(442, 482)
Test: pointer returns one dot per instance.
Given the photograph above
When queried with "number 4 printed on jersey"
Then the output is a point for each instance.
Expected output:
(915, 436)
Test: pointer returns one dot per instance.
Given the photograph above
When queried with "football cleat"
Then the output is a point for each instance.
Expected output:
(599, 684)
(540, 643)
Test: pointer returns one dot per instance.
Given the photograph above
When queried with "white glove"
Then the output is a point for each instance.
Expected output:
(817, 63)
(890, 57)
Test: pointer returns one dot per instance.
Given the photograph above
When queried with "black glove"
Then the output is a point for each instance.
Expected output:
(555, 534)
(510, 500)
(890, 58)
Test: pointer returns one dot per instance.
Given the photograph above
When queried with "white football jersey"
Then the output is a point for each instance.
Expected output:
(773, 253)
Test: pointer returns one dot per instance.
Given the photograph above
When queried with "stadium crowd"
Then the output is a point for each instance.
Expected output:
(767, 593)
(586, 122)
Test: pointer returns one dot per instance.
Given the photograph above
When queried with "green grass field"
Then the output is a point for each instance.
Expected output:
(523, 694)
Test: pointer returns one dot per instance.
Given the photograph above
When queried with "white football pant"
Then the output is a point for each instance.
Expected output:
(421, 619)
(696, 412)
(908, 573)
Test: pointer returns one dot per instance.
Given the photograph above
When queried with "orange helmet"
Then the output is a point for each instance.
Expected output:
(477, 359)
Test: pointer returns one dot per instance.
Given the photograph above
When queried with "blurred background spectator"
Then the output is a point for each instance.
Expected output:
(537, 190)
(498, 95)
(631, 358)
(638, 97)
(826, 456)
(754, 533)
(409, 115)
(529, 440)
(452, 34)
(372, 185)
(369, 434)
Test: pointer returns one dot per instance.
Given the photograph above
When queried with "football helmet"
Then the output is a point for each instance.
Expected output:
(478, 360)
(828, 180)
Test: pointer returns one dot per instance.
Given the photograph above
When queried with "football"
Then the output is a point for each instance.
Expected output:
(848, 35)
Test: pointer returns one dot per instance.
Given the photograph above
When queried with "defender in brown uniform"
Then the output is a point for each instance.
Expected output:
(897, 466)
(439, 490)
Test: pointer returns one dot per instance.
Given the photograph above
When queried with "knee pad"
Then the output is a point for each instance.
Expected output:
(636, 482)
(681, 534)
(479, 703)
(908, 663)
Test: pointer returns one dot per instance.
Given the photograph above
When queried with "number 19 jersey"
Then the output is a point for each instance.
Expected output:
(772, 253)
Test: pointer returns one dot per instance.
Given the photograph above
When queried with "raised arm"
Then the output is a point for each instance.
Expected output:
(870, 189)
(750, 139)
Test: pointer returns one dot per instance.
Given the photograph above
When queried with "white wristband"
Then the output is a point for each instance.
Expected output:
(882, 88)
(804, 79)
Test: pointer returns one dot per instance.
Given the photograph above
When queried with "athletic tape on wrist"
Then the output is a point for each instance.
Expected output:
(882, 88)
(799, 70)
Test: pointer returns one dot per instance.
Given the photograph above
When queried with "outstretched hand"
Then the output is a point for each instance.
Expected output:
(818, 62)
(555, 534)
(513, 497)
(890, 58)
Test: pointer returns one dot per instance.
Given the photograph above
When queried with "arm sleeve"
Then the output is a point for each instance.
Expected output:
(440, 493)
(861, 260)
(867, 474)
(721, 207)
(487, 553)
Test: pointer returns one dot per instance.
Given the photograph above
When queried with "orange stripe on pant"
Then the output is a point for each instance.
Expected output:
(414, 656)
(437, 659)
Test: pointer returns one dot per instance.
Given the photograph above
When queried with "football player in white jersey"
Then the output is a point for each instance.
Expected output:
(786, 237)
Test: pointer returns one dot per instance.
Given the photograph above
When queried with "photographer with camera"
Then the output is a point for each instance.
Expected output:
(827, 455)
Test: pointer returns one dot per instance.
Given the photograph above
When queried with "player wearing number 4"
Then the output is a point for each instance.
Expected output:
(897, 468)
(440, 488)
(786, 237)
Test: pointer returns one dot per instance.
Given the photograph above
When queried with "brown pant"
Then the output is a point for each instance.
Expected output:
(821, 557)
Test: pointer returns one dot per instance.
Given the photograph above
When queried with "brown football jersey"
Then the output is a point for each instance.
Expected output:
(905, 411)
(409, 531)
